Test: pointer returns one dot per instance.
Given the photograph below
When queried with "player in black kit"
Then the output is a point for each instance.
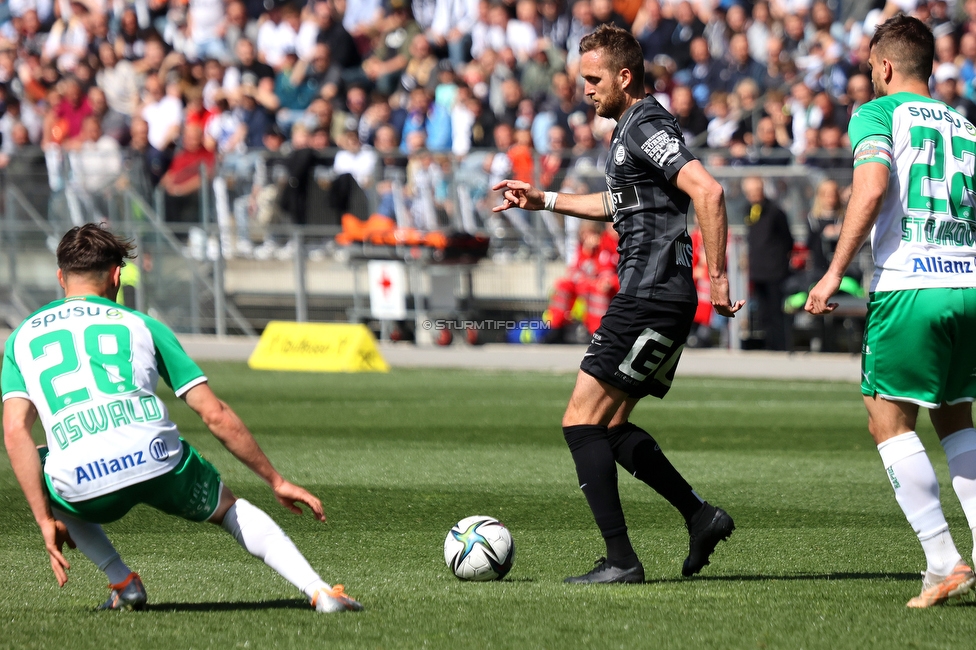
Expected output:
(651, 179)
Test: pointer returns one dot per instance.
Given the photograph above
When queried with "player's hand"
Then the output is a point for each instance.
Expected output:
(519, 194)
(53, 543)
(62, 536)
(289, 494)
(721, 302)
(817, 301)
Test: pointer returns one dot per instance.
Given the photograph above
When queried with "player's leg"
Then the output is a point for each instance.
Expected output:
(953, 421)
(954, 424)
(127, 590)
(591, 406)
(193, 490)
(260, 536)
(641, 456)
(892, 425)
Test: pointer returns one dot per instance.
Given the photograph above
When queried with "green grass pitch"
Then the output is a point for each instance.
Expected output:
(822, 556)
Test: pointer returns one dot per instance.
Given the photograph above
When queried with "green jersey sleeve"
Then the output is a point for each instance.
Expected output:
(870, 134)
(175, 366)
(11, 381)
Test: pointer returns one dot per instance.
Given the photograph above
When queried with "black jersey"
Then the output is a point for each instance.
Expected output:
(650, 213)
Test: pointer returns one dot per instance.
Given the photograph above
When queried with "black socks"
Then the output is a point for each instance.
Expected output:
(597, 474)
(640, 455)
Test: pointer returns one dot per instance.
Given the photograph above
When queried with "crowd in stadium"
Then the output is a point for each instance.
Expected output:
(180, 83)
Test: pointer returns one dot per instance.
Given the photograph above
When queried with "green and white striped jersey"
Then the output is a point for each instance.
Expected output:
(925, 235)
(90, 367)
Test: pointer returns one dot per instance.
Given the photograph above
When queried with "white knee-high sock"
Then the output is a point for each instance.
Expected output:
(917, 492)
(960, 449)
(96, 546)
(263, 538)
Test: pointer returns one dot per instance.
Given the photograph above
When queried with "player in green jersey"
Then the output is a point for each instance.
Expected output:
(88, 369)
(913, 193)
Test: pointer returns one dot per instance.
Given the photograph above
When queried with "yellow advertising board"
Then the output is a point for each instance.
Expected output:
(317, 347)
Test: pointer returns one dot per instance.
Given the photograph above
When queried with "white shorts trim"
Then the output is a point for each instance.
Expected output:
(917, 402)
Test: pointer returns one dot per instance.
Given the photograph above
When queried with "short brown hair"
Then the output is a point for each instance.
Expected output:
(91, 248)
(620, 49)
(908, 43)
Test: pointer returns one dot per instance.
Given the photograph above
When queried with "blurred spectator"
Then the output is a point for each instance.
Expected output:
(604, 13)
(278, 34)
(430, 119)
(768, 148)
(207, 24)
(555, 23)
(113, 123)
(654, 31)
(67, 42)
(741, 65)
(704, 72)
(225, 132)
(583, 23)
(163, 111)
(770, 245)
(691, 119)
(451, 28)
(355, 159)
(64, 121)
(360, 18)
(330, 32)
(824, 222)
(183, 178)
(472, 125)
(119, 81)
(237, 25)
(294, 90)
(688, 27)
(947, 90)
(723, 123)
(95, 160)
(523, 33)
(422, 66)
(388, 61)
(759, 31)
(260, 74)
(130, 40)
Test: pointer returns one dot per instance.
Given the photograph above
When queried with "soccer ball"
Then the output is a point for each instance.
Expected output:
(479, 548)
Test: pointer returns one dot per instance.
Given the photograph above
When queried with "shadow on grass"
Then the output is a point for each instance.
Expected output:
(290, 603)
(787, 578)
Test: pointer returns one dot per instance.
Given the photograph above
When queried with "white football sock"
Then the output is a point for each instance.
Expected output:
(960, 449)
(96, 546)
(917, 492)
(263, 538)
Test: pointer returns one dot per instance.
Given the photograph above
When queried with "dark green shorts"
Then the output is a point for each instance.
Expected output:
(190, 490)
(920, 346)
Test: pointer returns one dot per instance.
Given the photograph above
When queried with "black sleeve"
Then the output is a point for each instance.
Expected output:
(658, 145)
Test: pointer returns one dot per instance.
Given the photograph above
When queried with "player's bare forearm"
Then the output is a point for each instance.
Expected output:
(231, 431)
(519, 194)
(18, 418)
(708, 197)
(867, 195)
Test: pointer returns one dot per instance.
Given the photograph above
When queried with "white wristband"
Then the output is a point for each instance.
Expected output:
(550, 201)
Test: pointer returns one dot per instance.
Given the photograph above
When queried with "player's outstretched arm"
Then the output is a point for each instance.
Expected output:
(231, 431)
(519, 194)
(18, 417)
(708, 197)
(867, 195)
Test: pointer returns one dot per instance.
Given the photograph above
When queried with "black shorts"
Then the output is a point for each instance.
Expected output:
(638, 344)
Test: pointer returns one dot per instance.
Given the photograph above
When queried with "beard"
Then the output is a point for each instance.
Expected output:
(613, 104)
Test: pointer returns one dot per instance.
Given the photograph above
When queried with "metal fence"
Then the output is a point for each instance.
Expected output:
(257, 241)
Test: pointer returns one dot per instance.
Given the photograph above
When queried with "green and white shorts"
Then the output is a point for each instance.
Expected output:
(920, 346)
(190, 490)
